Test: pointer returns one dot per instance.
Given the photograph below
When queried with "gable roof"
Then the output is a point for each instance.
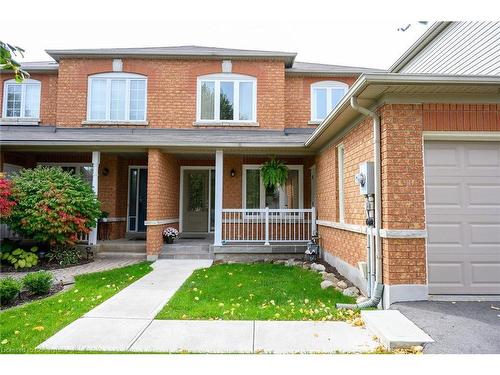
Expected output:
(427, 37)
(305, 68)
(174, 52)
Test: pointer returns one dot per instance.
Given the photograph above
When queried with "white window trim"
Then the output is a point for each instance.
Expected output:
(12, 82)
(108, 77)
(341, 180)
(299, 168)
(226, 77)
(328, 85)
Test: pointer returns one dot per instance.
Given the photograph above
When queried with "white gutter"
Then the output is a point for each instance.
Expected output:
(378, 181)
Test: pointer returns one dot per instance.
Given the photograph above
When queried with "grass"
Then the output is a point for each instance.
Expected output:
(258, 291)
(24, 327)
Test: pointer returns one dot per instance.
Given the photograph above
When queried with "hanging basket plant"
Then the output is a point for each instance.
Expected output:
(274, 174)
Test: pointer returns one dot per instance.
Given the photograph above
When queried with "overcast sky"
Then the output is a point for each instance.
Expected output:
(319, 31)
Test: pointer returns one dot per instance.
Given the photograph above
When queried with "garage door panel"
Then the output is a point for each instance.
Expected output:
(445, 233)
(463, 217)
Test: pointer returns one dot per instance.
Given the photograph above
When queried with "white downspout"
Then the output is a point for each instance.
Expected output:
(378, 288)
(378, 183)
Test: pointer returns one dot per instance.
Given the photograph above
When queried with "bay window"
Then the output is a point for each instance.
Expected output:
(226, 98)
(255, 195)
(117, 97)
(21, 100)
(325, 96)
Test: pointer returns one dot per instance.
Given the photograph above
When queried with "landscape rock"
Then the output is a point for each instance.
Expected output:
(317, 267)
(342, 284)
(330, 277)
(290, 262)
(351, 292)
(280, 261)
(326, 284)
(361, 299)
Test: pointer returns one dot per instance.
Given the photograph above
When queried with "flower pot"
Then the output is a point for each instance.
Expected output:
(169, 239)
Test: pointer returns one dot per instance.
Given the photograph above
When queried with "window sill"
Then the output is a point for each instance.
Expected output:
(19, 121)
(225, 123)
(314, 122)
(116, 123)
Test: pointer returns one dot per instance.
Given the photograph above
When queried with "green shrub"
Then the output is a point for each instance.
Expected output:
(9, 289)
(20, 258)
(65, 256)
(38, 282)
(52, 206)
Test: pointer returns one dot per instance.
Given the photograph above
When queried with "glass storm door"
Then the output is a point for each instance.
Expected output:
(196, 203)
(137, 199)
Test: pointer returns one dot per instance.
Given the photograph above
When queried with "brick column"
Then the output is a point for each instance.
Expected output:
(163, 198)
(403, 206)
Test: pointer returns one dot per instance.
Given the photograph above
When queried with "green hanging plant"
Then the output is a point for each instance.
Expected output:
(274, 174)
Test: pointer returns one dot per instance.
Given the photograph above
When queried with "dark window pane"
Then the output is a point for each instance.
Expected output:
(226, 100)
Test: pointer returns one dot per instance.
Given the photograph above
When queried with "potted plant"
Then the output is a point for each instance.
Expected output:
(170, 234)
(274, 174)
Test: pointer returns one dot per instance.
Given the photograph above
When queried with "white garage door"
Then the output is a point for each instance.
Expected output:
(462, 193)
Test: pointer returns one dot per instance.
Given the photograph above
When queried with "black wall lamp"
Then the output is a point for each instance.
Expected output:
(232, 173)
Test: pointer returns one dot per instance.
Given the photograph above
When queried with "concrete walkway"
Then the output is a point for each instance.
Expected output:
(125, 323)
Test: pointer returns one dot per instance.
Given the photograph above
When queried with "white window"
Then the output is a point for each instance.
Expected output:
(226, 98)
(255, 195)
(325, 96)
(117, 97)
(340, 164)
(21, 100)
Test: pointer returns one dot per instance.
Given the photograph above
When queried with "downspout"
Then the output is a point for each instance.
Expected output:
(378, 288)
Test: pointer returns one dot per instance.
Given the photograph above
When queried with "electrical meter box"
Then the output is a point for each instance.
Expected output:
(366, 178)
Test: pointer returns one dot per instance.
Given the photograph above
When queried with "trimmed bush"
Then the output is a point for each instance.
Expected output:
(38, 282)
(9, 289)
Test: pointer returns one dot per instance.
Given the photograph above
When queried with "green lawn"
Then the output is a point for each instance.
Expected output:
(23, 328)
(259, 291)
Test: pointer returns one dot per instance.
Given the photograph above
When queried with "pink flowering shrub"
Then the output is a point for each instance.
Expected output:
(52, 206)
(6, 201)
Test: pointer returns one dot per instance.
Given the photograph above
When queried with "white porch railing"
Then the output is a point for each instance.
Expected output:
(268, 225)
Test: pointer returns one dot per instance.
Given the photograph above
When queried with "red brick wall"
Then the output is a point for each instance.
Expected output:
(461, 117)
(358, 147)
(163, 195)
(298, 98)
(48, 95)
(171, 89)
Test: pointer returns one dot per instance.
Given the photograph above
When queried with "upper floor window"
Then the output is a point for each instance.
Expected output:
(117, 97)
(21, 100)
(226, 97)
(325, 96)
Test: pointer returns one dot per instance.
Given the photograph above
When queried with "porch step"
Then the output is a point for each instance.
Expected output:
(123, 246)
(113, 254)
(186, 250)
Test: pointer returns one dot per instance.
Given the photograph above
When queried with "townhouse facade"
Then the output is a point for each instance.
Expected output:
(176, 136)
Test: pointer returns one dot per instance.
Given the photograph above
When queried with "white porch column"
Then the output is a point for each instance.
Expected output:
(219, 175)
(96, 158)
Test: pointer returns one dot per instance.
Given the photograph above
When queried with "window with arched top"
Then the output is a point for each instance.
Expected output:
(325, 96)
(21, 100)
(226, 97)
(117, 97)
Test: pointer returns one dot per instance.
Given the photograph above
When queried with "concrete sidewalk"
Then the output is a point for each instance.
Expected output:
(125, 323)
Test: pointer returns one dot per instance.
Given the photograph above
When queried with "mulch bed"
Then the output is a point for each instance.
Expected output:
(43, 265)
(25, 297)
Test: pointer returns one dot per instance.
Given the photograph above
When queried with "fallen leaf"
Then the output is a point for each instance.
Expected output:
(5, 341)
(38, 328)
(495, 308)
